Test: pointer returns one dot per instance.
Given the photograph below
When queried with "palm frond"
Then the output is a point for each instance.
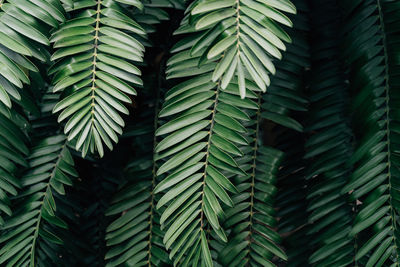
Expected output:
(329, 146)
(232, 39)
(285, 95)
(253, 239)
(134, 237)
(203, 126)
(50, 168)
(200, 146)
(13, 149)
(24, 34)
(97, 50)
(372, 53)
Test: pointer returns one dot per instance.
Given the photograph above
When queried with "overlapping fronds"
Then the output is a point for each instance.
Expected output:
(253, 239)
(24, 34)
(329, 145)
(96, 52)
(13, 149)
(229, 54)
(372, 37)
(285, 95)
(25, 234)
(134, 237)
(275, 142)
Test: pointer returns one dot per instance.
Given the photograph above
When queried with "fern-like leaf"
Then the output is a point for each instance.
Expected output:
(225, 50)
(233, 39)
(329, 146)
(200, 147)
(13, 149)
(50, 168)
(252, 220)
(372, 53)
(24, 33)
(96, 54)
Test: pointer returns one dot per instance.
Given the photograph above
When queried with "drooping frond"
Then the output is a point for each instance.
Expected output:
(13, 149)
(24, 33)
(329, 145)
(276, 143)
(203, 138)
(233, 39)
(285, 104)
(252, 220)
(134, 237)
(227, 50)
(50, 168)
(285, 94)
(372, 37)
(96, 51)
(291, 200)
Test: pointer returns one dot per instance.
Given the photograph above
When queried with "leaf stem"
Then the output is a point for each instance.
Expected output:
(387, 103)
(212, 120)
(254, 166)
(47, 191)
(96, 39)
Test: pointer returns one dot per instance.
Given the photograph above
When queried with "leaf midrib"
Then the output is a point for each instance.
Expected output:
(37, 228)
(253, 173)
(96, 40)
(387, 104)
(208, 152)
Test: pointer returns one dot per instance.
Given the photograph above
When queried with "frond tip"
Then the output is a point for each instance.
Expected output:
(96, 51)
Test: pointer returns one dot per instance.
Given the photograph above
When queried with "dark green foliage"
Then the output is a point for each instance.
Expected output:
(371, 55)
(13, 150)
(285, 95)
(252, 239)
(24, 34)
(289, 102)
(95, 51)
(329, 145)
(243, 133)
(134, 237)
(50, 168)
